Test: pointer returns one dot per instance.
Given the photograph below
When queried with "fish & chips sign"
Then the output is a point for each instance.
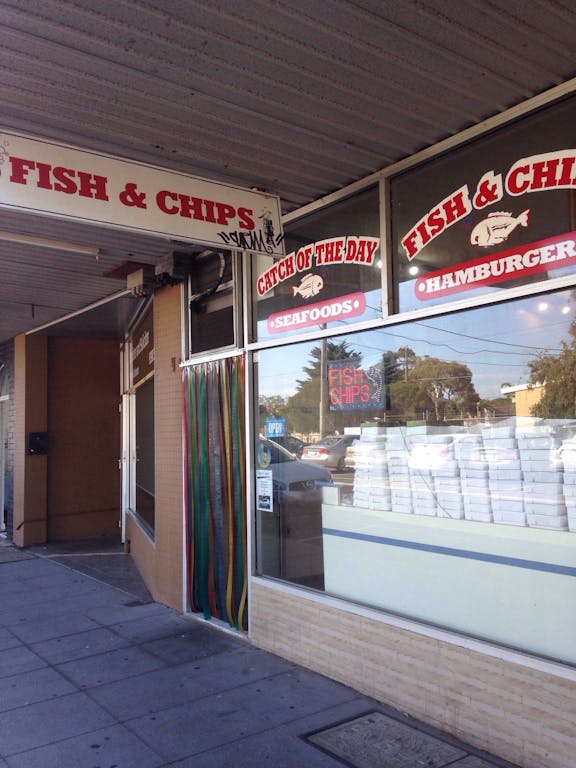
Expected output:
(538, 173)
(57, 180)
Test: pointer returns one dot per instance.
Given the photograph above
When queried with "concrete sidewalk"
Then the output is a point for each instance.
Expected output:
(92, 676)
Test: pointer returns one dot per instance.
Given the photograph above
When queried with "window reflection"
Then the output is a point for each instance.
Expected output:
(471, 416)
(434, 456)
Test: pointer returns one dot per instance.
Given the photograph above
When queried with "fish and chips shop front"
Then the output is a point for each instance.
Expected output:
(434, 567)
(351, 431)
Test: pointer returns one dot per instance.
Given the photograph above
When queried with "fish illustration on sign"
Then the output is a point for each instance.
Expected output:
(311, 285)
(497, 227)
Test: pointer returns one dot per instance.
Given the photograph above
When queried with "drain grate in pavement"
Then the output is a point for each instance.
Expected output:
(377, 741)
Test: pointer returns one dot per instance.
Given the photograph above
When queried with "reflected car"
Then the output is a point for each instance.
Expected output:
(350, 456)
(329, 451)
(293, 481)
(292, 444)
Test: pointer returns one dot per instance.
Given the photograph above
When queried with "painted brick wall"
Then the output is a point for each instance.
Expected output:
(161, 562)
(7, 360)
(84, 429)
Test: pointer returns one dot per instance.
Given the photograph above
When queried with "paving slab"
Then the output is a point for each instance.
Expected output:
(108, 747)
(280, 747)
(123, 610)
(193, 644)
(47, 722)
(117, 570)
(8, 639)
(92, 676)
(107, 667)
(12, 555)
(16, 660)
(31, 687)
(79, 645)
(152, 626)
(173, 686)
(46, 606)
(48, 626)
(232, 715)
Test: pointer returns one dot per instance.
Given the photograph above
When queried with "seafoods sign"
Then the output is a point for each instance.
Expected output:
(318, 313)
(538, 173)
(57, 180)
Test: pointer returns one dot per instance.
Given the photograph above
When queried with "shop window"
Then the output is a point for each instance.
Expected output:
(214, 284)
(429, 469)
(494, 214)
(331, 275)
(145, 453)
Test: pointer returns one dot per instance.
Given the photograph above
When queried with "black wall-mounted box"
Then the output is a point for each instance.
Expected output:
(38, 443)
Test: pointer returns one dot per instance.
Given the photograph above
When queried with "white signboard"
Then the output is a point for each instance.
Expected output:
(45, 177)
(264, 490)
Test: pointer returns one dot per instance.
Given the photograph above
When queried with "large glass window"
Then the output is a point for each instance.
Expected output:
(429, 468)
(496, 213)
(331, 275)
(145, 453)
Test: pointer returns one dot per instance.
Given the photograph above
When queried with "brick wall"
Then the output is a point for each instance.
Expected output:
(518, 708)
(161, 561)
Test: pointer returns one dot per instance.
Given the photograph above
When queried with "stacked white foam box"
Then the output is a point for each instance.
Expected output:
(431, 458)
(568, 453)
(504, 474)
(542, 485)
(398, 474)
(362, 463)
(423, 495)
(371, 484)
(379, 483)
(445, 471)
(473, 478)
(449, 497)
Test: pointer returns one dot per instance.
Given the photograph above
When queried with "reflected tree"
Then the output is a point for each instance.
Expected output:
(442, 389)
(558, 375)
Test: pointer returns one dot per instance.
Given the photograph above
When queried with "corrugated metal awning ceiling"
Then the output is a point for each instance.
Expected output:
(297, 97)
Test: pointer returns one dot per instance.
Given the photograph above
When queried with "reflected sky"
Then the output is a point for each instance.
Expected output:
(495, 342)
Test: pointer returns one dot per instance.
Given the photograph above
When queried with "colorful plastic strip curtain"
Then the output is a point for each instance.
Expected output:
(215, 489)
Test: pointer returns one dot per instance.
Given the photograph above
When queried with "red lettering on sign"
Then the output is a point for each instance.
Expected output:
(58, 179)
(351, 305)
(179, 204)
(542, 256)
(553, 170)
(436, 221)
